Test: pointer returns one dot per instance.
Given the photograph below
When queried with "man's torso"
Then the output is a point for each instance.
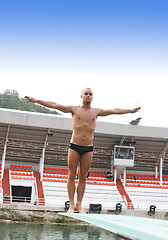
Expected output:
(83, 124)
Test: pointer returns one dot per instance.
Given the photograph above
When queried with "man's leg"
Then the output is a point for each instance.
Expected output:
(85, 163)
(73, 160)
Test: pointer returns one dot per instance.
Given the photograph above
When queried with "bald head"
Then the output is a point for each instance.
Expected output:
(87, 96)
(87, 89)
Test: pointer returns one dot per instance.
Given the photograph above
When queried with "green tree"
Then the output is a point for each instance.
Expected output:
(10, 99)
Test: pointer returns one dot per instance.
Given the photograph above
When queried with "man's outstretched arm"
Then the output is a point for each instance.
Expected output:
(60, 107)
(117, 111)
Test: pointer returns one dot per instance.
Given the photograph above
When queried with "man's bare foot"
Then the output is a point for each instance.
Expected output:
(70, 210)
(79, 209)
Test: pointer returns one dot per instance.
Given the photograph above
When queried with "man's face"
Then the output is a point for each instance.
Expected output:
(87, 95)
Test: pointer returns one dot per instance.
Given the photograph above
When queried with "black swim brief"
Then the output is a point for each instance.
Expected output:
(81, 149)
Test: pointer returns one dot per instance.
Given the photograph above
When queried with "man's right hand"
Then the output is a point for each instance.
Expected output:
(30, 99)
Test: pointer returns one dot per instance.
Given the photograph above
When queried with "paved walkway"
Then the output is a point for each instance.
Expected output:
(134, 227)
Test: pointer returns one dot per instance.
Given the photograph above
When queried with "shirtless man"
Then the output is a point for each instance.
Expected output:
(81, 144)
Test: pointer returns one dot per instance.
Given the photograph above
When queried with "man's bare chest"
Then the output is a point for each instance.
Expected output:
(85, 115)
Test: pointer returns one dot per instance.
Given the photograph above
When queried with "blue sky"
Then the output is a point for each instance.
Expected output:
(53, 49)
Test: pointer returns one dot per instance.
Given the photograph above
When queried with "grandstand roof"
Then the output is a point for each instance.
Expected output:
(26, 133)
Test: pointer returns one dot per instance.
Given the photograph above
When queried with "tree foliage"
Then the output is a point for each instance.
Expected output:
(10, 99)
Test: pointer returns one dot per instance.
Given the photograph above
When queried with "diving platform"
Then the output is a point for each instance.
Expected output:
(128, 227)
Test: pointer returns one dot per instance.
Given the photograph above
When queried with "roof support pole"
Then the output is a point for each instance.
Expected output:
(161, 168)
(4, 152)
(115, 175)
(156, 172)
(124, 176)
(41, 165)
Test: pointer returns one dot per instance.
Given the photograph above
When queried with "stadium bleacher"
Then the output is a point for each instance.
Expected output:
(98, 188)
(21, 172)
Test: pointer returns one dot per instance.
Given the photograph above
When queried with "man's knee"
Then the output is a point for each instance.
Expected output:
(82, 176)
(72, 175)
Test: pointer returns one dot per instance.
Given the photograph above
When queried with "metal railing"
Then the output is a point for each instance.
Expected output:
(18, 199)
